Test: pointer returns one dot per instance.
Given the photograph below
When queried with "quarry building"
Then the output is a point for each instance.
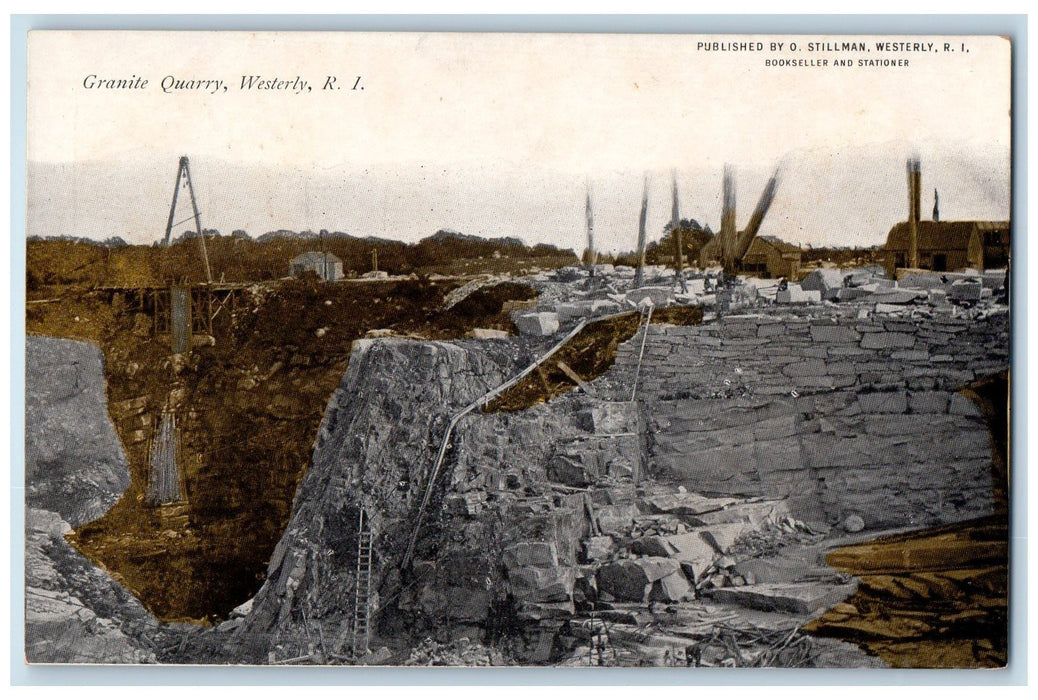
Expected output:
(950, 245)
(943, 246)
(326, 266)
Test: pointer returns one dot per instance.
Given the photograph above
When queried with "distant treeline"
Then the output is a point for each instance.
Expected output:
(241, 258)
(694, 237)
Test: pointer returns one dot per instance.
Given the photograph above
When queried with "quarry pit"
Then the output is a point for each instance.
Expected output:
(662, 488)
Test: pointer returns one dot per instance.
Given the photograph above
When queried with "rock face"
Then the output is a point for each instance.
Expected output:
(75, 471)
(493, 531)
(74, 464)
(375, 447)
(844, 416)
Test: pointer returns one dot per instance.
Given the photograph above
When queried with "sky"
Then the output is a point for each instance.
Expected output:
(502, 135)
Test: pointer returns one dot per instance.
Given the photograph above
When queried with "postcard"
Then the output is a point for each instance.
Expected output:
(477, 349)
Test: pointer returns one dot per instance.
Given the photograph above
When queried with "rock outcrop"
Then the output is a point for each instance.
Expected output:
(74, 612)
(374, 449)
(75, 470)
(74, 464)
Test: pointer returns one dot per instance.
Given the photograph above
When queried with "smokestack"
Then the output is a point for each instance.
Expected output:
(936, 208)
(590, 232)
(640, 274)
(914, 196)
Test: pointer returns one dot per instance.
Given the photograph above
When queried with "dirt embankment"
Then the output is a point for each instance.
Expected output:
(248, 408)
(586, 357)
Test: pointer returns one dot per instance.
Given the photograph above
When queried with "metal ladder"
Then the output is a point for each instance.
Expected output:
(362, 595)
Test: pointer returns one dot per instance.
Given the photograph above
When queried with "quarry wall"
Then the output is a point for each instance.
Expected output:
(843, 415)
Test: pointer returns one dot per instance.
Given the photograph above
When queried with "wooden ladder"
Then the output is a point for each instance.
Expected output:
(643, 325)
(601, 651)
(362, 595)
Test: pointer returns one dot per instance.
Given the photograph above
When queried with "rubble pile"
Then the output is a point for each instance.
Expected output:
(732, 647)
(462, 652)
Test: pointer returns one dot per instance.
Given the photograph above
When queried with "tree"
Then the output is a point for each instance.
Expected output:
(693, 238)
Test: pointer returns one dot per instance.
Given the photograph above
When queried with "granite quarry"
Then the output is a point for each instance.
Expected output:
(493, 500)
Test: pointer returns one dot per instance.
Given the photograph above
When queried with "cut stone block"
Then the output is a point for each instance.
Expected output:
(656, 568)
(798, 598)
(624, 580)
(754, 513)
(879, 341)
(687, 504)
(928, 401)
(616, 519)
(487, 333)
(693, 552)
(937, 296)
(824, 280)
(779, 570)
(805, 368)
(897, 296)
(568, 470)
(672, 588)
(962, 406)
(653, 546)
(539, 554)
(722, 535)
(883, 402)
(569, 311)
(852, 293)
(609, 418)
(540, 324)
(535, 584)
(834, 334)
(794, 294)
(660, 296)
(600, 548)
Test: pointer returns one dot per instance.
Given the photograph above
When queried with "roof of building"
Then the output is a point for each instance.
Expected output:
(314, 257)
(940, 235)
(779, 244)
